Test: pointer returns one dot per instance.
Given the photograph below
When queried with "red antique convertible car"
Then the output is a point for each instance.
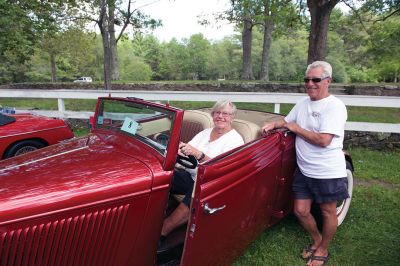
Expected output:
(21, 133)
(101, 199)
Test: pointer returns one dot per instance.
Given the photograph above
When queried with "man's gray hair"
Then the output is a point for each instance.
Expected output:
(326, 67)
(223, 103)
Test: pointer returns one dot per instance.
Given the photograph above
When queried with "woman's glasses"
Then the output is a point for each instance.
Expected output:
(314, 80)
(224, 114)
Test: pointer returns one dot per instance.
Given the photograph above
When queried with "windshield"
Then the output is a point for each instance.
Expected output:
(149, 124)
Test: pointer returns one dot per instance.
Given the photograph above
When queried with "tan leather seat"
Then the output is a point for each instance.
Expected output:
(194, 121)
(248, 130)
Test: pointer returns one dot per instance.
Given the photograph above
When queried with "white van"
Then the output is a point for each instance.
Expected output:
(83, 79)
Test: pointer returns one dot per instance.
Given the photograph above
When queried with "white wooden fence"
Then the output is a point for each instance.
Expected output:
(259, 97)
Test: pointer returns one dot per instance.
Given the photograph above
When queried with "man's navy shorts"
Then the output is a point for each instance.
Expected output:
(319, 190)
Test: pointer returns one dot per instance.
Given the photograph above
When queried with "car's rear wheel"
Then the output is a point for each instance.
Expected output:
(343, 206)
(23, 147)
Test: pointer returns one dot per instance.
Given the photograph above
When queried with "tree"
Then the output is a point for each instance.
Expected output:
(197, 48)
(246, 14)
(224, 59)
(149, 48)
(277, 14)
(22, 25)
(320, 11)
(270, 14)
(107, 15)
(173, 61)
(53, 44)
(385, 50)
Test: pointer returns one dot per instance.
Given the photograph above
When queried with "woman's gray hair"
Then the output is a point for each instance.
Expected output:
(222, 104)
(326, 67)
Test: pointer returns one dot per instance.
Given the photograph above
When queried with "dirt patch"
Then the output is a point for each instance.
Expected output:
(372, 182)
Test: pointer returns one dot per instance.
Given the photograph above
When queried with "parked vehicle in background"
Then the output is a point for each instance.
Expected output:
(22, 133)
(83, 80)
(101, 199)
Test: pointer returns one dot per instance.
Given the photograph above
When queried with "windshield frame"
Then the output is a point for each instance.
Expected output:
(139, 113)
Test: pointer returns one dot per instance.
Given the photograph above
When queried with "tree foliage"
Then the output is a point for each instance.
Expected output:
(362, 45)
(22, 25)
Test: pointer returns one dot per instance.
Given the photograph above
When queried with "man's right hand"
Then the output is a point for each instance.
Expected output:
(272, 125)
(268, 126)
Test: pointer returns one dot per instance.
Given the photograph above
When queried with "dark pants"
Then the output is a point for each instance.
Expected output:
(182, 183)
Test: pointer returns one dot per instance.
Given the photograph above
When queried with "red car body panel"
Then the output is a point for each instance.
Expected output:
(101, 199)
(27, 126)
(252, 195)
(100, 191)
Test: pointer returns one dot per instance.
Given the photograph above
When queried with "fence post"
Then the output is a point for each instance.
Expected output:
(61, 106)
(277, 108)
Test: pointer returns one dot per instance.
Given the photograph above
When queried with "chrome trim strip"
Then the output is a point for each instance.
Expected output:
(42, 159)
(29, 132)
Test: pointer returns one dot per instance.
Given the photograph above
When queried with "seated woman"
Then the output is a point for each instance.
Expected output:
(204, 146)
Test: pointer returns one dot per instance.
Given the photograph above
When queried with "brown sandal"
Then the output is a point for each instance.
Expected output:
(307, 252)
(324, 259)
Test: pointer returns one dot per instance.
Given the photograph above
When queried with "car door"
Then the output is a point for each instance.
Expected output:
(233, 201)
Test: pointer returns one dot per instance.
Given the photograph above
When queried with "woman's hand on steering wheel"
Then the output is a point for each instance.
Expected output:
(187, 155)
(187, 161)
(187, 150)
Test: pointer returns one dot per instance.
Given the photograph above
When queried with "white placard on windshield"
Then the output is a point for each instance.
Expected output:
(130, 126)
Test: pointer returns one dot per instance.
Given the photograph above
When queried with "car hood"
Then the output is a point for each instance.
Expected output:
(64, 175)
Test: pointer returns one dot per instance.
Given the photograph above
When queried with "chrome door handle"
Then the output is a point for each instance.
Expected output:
(209, 210)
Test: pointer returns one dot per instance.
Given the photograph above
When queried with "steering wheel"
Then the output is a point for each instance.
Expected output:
(162, 138)
(187, 161)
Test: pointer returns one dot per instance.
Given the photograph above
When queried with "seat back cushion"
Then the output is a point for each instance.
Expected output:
(194, 121)
(248, 130)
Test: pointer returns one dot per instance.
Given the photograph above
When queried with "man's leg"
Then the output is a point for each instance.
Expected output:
(302, 209)
(328, 211)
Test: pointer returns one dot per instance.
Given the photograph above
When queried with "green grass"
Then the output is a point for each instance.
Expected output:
(81, 131)
(377, 165)
(370, 234)
(373, 114)
(49, 104)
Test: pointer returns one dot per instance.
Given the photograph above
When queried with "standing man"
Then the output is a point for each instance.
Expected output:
(318, 122)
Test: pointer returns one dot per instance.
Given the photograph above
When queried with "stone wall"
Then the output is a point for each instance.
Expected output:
(375, 89)
(372, 140)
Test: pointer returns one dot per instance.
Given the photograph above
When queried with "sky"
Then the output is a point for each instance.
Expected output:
(179, 18)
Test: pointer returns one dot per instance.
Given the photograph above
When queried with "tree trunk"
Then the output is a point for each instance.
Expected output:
(320, 11)
(268, 29)
(247, 37)
(53, 67)
(113, 42)
(103, 25)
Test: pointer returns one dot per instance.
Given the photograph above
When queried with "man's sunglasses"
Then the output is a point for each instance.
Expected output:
(315, 80)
